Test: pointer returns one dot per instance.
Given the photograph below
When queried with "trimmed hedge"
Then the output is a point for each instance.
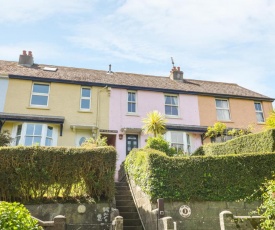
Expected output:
(252, 143)
(207, 178)
(36, 173)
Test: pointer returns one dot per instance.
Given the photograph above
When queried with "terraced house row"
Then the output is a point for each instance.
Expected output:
(62, 106)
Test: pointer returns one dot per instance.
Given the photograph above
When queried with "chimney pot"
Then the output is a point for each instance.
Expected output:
(178, 68)
(24, 52)
(30, 53)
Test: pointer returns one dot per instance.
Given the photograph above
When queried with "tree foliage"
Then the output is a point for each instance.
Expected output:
(267, 208)
(154, 123)
(16, 216)
(92, 142)
(270, 121)
(5, 138)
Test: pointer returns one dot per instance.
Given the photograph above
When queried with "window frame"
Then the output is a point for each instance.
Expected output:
(85, 98)
(171, 105)
(259, 111)
(40, 94)
(44, 135)
(223, 109)
(132, 102)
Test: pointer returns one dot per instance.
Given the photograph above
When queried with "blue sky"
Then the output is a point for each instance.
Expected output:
(217, 40)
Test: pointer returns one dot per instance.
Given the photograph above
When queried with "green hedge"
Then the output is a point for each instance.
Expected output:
(33, 173)
(251, 143)
(208, 178)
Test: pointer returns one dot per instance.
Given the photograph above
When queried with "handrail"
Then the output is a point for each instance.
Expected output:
(221, 215)
(44, 223)
(130, 186)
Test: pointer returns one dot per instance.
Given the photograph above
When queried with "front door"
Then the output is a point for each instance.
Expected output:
(131, 142)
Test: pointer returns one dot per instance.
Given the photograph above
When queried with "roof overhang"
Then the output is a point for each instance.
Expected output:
(131, 130)
(31, 118)
(187, 128)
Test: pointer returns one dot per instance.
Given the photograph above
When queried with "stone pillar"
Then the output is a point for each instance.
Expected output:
(119, 223)
(166, 223)
(59, 222)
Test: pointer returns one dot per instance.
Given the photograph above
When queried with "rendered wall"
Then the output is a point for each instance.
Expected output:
(64, 100)
(4, 81)
(147, 102)
(204, 214)
(242, 112)
(96, 216)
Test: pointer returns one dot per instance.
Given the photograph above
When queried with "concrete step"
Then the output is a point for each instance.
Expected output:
(132, 228)
(129, 215)
(126, 209)
(119, 188)
(132, 222)
(123, 193)
(118, 184)
(123, 197)
(129, 203)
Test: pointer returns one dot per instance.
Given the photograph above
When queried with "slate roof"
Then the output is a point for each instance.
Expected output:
(127, 80)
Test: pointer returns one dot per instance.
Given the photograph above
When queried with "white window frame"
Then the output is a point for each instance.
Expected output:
(40, 94)
(44, 136)
(187, 145)
(132, 102)
(85, 98)
(259, 111)
(171, 105)
(222, 109)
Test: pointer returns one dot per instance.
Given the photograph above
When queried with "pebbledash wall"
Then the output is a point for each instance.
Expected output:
(195, 215)
(147, 101)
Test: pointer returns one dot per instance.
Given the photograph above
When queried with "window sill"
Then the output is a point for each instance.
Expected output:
(172, 117)
(132, 114)
(225, 121)
(37, 107)
(260, 123)
(84, 111)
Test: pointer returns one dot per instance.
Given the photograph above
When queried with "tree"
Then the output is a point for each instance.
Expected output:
(92, 143)
(270, 121)
(5, 138)
(154, 123)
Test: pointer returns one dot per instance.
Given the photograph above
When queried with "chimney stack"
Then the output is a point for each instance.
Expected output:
(26, 60)
(176, 74)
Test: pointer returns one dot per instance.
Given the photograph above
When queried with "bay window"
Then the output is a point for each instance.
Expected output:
(29, 134)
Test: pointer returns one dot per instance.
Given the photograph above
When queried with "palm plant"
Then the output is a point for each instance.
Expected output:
(154, 123)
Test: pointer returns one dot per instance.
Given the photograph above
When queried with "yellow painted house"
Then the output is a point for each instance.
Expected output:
(42, 109)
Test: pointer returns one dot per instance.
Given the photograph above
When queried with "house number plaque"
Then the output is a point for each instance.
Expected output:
(185, 211)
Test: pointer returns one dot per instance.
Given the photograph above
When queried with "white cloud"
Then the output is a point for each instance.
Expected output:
(29, 10)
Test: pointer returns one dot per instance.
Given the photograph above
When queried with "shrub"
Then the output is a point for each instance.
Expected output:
(5, 138)
(92, 143)
(31, 174)
(251, 143)
(16, 216)
(209, 178)
(160, 144)
(267, 209)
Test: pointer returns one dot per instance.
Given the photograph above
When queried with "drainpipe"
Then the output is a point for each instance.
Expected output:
(98, 107)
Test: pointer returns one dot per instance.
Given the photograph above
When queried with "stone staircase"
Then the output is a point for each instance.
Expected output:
(126, 206)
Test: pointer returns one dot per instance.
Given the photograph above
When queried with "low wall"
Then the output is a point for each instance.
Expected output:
(204, 215)
(78, 216)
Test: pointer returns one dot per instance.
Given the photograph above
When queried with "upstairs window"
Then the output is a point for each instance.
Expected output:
(222, 108)
(40, 94)
(132, 102)
(85, 101)
(259, 112)
(171, 105)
